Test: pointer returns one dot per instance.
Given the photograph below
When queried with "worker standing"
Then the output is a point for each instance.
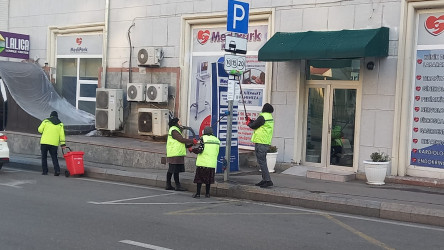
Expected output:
(206, 162)
(176, 150)
(263, 133)
(53, 135)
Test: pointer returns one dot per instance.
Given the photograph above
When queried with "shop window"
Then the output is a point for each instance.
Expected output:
(341, 69)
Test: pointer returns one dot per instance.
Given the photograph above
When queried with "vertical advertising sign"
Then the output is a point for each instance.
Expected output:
(14, 45)
(207, 48)
(427, 145)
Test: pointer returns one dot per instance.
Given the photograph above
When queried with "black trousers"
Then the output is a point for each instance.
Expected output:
(53, 152)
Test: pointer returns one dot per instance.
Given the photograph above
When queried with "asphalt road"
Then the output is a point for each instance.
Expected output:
(48, 212)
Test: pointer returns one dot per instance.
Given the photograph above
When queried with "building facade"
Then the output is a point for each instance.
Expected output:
(333, 108)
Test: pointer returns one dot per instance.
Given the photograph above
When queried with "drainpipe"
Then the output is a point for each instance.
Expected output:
(105, 45)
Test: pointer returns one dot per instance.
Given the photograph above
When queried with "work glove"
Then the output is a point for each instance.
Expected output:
(190, 149)
(248, 120)
(194, 141)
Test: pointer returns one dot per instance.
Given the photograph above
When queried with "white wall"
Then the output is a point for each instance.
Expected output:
(34, 17)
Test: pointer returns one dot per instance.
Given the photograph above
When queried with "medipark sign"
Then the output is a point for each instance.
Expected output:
(14, 45)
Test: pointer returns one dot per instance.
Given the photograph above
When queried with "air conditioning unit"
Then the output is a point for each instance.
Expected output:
(153, 121)
(150, 56)
(136, 92)
(157, 92)
(109, 109)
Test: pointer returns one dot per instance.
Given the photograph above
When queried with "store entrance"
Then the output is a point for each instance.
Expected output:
(330, 122)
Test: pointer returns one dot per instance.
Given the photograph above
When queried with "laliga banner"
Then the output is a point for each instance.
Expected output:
(14, 45)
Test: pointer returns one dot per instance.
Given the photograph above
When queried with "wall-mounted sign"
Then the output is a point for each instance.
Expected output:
(80, 45)
(14, 45)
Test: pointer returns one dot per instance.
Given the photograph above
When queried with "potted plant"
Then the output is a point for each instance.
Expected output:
(376, 168)
(271, 158)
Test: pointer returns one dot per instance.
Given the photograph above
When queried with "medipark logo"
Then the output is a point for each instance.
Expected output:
(203, 36)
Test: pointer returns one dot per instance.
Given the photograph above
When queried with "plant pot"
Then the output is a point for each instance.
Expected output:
(375, 172)
(271, 161)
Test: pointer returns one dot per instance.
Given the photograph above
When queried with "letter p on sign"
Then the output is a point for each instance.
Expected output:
(237, 16)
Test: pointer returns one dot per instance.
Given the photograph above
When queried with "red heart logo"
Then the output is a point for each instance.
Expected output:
(418, 77)
(415, 129)
(417, 97)
(203, 36)
(419, 61)
(413, 159)
(415, 141)
(418, 88)
(414, 150)
(79, 40)
(416, 119)
(435, 25)
(416, 109)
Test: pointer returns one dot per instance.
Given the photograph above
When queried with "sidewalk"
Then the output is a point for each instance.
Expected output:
(400, 202)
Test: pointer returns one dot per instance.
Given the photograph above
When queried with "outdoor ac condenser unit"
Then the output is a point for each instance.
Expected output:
(153, 121)
(157, 92)
(136, 92)
(150, 56)
(109, 109)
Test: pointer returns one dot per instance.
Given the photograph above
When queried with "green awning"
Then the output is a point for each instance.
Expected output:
(284, 46)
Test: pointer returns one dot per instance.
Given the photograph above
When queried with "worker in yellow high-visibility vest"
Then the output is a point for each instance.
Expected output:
(206, 162)
(176, 151)
(263, 133)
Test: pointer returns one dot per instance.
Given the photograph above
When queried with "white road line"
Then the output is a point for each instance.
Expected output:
(137, 198)
(353, 217)
(157, 203)
(16, 184)
(123, 184)
(144, 245)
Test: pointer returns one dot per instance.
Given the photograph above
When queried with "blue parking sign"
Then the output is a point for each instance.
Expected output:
(237, 16)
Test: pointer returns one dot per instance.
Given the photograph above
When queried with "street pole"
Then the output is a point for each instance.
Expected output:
(228, 139)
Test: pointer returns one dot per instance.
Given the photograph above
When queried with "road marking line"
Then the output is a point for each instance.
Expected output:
(16, 184)
(123, 184)
(359, 233)
(156, 203)
(353, 217)
(144, 245)
(136, 198)
(212, 214)
(195, 209)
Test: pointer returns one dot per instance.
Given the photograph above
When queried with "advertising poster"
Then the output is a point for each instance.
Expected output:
(219, 119)
(14, 45)
(428, 110)
(209, 85)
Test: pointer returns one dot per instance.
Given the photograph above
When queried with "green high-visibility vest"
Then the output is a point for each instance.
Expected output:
(264, 133)
(175, 147)
(208, 158)
(51, 134)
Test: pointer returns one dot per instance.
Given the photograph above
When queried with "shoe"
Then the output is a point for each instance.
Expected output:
(45, 173)
(197, 196)
(267, 184)
(169, 187)
(207, 195)
(56, 173)
(259, 183)
(180, 188)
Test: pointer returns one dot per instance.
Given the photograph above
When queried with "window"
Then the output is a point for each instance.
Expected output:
(340, 69)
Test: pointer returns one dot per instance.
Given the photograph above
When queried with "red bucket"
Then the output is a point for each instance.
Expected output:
(74, 163)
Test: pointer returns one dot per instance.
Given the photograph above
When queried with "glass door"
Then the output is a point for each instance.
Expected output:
(330, 126)
(342, 127)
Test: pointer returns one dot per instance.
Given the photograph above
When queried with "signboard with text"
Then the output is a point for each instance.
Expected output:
(14, 45)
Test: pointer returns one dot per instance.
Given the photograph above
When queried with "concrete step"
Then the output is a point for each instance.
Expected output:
(329, 175)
